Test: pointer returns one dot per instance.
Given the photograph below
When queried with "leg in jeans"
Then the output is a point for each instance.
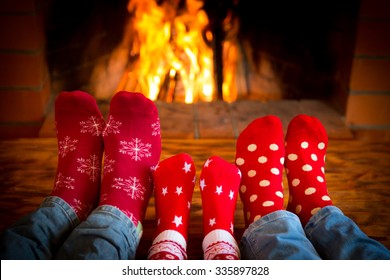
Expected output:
(336, 236)
(51, 232)
(107, 233)
(75, 193)
(277, 236)
(39, 234)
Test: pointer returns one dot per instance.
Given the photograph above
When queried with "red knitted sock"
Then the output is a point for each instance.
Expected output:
(219, 182)
(306, 143)
(132, 148)
(79, 126)
(260, 157)
(174, 181)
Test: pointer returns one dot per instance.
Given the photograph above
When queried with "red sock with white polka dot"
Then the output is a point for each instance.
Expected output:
(174, 181)
(132, 145)
(306, 143)
(79, 126)
(219, 182)
(260, 157)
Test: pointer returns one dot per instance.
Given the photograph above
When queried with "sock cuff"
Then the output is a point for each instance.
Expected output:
(171, 235)
(219, 242)
(169, 241)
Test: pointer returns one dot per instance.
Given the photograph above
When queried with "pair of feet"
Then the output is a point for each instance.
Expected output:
(262, 153)
(129, 140)
(174, 182)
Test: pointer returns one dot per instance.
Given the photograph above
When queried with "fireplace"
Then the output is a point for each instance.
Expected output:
(193, 50)
(333, 51)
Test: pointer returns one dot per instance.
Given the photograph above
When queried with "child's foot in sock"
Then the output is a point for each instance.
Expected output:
(219, 182)
(306, 143)
(132, 148)
(79, 126)
(260, 157)
(174, 181)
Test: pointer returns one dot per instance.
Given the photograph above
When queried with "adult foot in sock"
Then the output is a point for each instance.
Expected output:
(260, 157)
(306, 144)
(132, 144)
(79, 125)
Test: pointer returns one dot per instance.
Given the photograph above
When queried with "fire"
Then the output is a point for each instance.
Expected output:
(171, 53)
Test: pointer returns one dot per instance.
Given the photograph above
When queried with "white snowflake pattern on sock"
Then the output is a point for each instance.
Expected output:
(90, 167)
(64, 182)
(156, 130)
(135, 148)
(66, 145)
(112, 126)
(93, 125)
(108, 165)
(131, 186)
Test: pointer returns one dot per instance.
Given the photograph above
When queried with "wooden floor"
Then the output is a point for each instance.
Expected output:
(357, 174)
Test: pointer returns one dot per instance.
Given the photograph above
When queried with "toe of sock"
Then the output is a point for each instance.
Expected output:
(221, 171)
(261, 127)
(135, 101)
(76, 101)
(265, 123)
(305, 125)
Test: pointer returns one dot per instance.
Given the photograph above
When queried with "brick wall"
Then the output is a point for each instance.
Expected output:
(24, 79)
(368, 104)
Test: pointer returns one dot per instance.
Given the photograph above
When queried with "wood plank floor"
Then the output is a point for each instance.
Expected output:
(357, 174)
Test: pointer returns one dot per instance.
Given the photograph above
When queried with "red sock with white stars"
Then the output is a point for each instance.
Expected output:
(306, 143)
(79, 126)
(219, 182)
(174, 181)
(260, 157)
(132, 149)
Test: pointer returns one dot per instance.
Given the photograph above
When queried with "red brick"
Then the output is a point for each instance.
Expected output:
(18, 69)
(373, 38)
(24, 105)
(21, 32)
(370, 75)
(370, 109)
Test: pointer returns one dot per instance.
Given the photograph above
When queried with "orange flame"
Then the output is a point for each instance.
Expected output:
(172, 55)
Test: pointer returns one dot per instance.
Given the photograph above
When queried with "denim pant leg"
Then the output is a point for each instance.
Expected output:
(107, 234)
(336, 236)
(276, 236)
(39, 234)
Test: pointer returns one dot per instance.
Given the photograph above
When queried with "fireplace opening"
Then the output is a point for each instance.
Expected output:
(204, 50)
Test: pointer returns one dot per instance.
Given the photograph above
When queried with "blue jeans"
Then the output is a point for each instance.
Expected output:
(329, 234)
(53, 231)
